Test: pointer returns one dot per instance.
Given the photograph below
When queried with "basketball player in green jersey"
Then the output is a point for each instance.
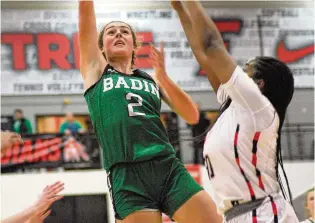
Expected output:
(144, 176)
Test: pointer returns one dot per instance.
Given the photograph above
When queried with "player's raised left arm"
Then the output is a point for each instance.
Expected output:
(173, 95)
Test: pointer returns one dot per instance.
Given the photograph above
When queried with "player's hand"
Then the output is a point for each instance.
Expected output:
(49, 195)
(157, 61)
(176, 4)
(8, 139)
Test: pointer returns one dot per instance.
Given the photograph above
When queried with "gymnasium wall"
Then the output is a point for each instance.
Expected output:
(300, 111)
(20, 190)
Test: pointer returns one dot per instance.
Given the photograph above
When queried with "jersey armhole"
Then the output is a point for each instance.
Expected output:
(93, 85)
(161, 95)
(221, 95)
(275, 120)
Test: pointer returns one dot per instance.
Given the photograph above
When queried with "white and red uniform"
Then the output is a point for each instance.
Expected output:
(240, 152)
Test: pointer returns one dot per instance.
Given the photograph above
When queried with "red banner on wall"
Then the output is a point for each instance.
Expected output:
(52, 151)
(41, 56)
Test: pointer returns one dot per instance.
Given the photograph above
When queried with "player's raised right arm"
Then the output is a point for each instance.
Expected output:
(92, 62)
(209, 46)
(195, 42)
(209, 41)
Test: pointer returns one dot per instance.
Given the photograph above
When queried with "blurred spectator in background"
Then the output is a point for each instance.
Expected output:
(309, 206)
(21, 125)
(198, 130)
(70, 126)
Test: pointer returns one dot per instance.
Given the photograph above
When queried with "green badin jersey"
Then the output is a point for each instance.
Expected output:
(125, 112)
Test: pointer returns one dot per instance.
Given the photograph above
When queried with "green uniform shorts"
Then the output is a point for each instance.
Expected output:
(162, 183)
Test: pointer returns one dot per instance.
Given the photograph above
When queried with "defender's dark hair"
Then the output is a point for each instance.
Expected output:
(279, 89)
(134, 37)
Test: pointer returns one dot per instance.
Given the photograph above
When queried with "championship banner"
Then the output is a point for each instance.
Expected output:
(40, 52)
(52, 151)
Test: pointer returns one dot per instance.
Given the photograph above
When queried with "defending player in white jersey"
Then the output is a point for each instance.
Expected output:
(242, 150)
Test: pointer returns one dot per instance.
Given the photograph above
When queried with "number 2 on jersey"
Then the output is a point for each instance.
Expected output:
(132, 105)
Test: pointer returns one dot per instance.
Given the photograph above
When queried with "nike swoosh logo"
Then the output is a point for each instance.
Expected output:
(292, 55)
